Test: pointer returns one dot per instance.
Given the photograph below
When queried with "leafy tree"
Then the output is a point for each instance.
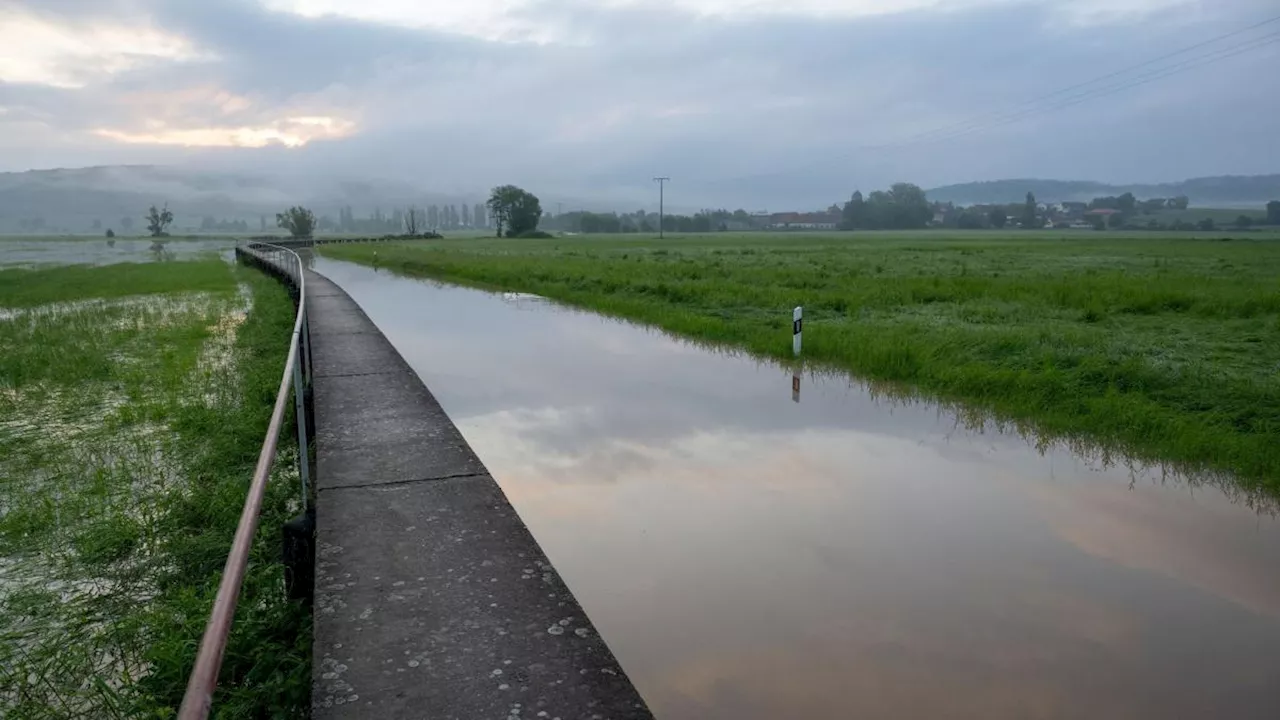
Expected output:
(1179, 203)
(969, 220)
(1126, 203)
(903, 206)
(1244, 222)
(910, 206)
(158, 220)
(514, 209)
(299, 221)
(111, 233)
(411, 220)
(878, 211)
(1205, 225)
(998, 217)
(1273, 212)
(477, 215)
(854, 216)
(1029, 213)
(433, 217)
(126, 223)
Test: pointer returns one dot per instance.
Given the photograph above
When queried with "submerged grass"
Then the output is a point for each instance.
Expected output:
(128, 432)
(1166, 348)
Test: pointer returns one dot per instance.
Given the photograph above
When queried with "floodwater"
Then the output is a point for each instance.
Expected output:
(34, 252)
(848, 555)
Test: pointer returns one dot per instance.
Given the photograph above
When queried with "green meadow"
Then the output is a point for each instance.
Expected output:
(1165, 347)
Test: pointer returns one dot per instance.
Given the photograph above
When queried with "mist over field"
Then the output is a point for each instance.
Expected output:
(235, 108)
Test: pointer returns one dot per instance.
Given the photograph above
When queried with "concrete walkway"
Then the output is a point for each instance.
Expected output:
(432, 598)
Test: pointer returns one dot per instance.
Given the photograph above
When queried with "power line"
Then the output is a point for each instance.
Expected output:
(1108, 76)
(1012, 114)
(1108, 90)
(1158, 74)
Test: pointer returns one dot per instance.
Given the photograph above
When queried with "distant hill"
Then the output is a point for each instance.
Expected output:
(1237, 191)
(70, 200)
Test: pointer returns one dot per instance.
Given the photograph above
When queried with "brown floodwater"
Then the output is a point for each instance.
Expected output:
(850, 555)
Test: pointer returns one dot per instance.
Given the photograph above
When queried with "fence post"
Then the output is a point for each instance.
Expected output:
(797, 323)
(300, 410)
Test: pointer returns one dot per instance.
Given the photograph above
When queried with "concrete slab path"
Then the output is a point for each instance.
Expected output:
(432, 598)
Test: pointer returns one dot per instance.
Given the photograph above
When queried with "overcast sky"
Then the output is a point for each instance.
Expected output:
(760, 101)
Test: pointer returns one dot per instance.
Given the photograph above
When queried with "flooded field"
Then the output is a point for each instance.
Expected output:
(22, 252)
(133, 399)
(847, 553)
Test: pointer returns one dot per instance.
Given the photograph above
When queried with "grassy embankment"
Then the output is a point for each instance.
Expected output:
(133, 401)
(1164, 347)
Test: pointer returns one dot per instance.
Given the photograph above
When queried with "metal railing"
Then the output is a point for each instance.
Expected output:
(286, 264)
(316, 242)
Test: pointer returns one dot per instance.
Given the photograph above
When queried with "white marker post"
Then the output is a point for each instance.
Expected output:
(796, 322)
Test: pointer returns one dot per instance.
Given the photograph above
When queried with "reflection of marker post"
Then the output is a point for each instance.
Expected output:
(796, 322)
(795, 386)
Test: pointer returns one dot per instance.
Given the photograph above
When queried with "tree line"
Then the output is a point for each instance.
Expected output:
(642, 221)
(902, 207)
(515, 212)
(432, 217)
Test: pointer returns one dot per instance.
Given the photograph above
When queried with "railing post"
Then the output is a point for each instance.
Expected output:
(300, 410)
(306, 339)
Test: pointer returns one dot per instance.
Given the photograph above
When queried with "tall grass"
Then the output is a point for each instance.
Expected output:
(128, 435)
(1165, 348)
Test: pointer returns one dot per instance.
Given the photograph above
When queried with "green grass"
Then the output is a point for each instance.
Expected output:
(1165, 347)
(129, 426)
(23, 288)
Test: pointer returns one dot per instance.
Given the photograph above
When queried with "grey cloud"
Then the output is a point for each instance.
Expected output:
(748, 112)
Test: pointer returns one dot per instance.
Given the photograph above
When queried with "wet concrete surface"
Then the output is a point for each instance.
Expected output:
(432, 598)
(849, 555)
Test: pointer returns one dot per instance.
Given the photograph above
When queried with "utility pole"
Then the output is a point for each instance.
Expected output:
(662, 188)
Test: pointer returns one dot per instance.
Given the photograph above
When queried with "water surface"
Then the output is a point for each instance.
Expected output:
(847, 555)
(24, 252)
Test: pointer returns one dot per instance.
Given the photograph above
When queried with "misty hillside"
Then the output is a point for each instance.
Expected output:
(90, 200)
(1222, 191)
(73, 200)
